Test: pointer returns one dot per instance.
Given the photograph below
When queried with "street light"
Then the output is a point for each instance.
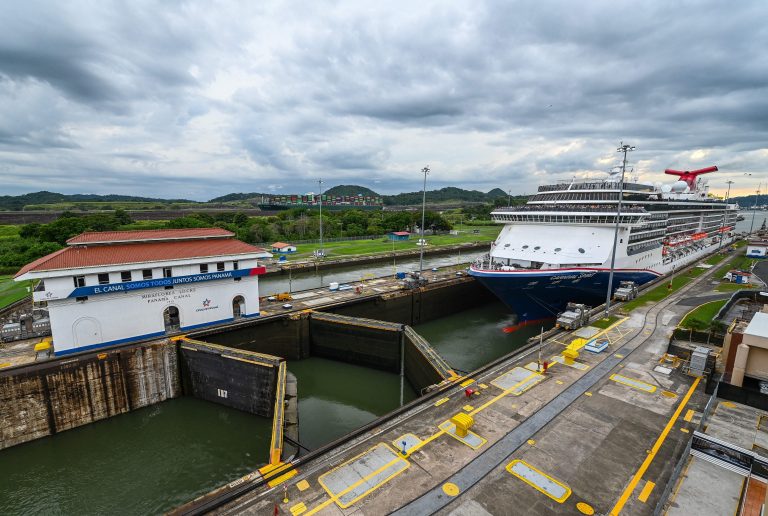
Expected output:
(725, 214)
(425, 170)
(622, 148)
(321, 252)
(754, 208)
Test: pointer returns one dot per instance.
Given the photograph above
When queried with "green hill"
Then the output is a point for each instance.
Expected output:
(17, 202)
(444, 195)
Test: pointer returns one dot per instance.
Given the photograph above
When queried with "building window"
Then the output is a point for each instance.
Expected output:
(220, 266)
(203, 268)
(103, 279)
(79, 281)
(235, 265)
(167, 272)
(146, 274)
(125, 276)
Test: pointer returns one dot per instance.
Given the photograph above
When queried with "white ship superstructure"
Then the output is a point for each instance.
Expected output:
(557, 247)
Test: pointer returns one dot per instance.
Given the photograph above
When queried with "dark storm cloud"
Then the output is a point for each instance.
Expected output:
(208, 100)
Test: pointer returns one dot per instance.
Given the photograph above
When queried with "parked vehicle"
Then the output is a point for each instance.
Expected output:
(575, 316)
(626, 292)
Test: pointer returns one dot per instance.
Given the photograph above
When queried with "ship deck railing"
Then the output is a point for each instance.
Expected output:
(592, 208)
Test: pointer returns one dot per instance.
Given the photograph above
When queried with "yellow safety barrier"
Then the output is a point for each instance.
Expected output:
(570, 355)
(463, 423)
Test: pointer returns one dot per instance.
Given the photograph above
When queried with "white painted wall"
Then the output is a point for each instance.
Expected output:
(106, 318)
(756, 250)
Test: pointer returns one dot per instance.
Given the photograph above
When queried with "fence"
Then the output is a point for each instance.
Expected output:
(704, 337)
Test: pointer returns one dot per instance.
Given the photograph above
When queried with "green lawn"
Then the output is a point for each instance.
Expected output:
(660, 292)
(701, 317)
(11, 291)
(382, 245)
(740, 262)
(604, 322)
(731, 287)
(715, 259)
(9, 232)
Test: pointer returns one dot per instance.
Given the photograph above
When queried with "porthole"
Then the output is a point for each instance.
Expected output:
(537, 248)
(581, 250)
(557, 249)
(525, 247)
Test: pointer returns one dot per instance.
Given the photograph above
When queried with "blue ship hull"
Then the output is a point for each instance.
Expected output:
(538, 296)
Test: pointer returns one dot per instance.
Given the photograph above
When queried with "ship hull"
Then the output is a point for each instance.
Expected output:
(535, 296)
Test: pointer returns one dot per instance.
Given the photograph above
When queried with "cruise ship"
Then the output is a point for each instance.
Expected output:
(557, 247)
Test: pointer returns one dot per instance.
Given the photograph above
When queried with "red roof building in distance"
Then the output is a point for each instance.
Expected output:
(111, 287)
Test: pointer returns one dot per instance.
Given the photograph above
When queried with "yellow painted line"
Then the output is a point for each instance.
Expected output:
(441, 401)
(531, 442)
(618, 356)
(632, 382)
(668, 394)
(585, 508)
(424, 443)
(467, 382)
(468, 408)
(685, 430)
(482, 386)
(299, 508)
(727, 404)
(689, 415)
(649, 458)
(302, 485)
(646, 492)
(588, 393)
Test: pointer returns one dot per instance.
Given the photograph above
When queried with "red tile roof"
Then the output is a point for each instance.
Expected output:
(118, 254)
(280, 245)
(400, 233)
(150, 234)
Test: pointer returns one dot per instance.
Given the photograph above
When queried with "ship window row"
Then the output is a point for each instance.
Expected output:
(575, 196)
(106, 278)
(646, 236)
(643, 247)
(598, 185)
(566, 219)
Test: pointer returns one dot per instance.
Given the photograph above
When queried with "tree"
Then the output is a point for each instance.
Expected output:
(122, 217)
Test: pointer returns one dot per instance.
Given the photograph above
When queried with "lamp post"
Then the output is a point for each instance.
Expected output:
(725, 215)
(754, 208)
(509, 200)
(425, 170)
(321, 252)
(625, 149)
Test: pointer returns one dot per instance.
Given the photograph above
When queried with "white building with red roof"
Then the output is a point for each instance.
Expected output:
(113, 287)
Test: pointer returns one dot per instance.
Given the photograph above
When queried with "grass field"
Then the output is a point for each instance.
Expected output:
(11, 291)
(9, 232)
(380, 245)
(660, 292)
(604, 322)
(701, 317)
(732, 287)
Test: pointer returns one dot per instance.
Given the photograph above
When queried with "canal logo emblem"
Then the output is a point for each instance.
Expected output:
(206, 303)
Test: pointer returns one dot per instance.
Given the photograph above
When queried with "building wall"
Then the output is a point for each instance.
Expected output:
(114, 318)
(757, 363)
(756, 250)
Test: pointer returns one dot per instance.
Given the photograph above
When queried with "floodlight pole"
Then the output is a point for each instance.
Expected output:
(754, 207)
(622, 148)
(725, 215)
(320, 184)
(425, 170)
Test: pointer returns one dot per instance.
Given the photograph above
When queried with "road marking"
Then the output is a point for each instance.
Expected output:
(646, 492)
(539, 480)
(669, 394)
(441, 401)
(685, 430)
(531, 442)
(585, 508)
(451, 489)
(467, 382)
(689, 415)
(302, 485)
(647, 462)
(299, 508)
(631, 382)
(472, 440)
(468, 408)
(587, 393)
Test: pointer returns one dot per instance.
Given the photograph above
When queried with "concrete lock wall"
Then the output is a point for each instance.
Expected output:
(366, 342)
(423, 366)
(286, 336)
(239, 379)
(416, 306)
(43, 399)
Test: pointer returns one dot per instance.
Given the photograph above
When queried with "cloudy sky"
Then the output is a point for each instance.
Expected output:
(199, 99)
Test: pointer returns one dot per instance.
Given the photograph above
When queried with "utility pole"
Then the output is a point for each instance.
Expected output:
(754, 208)
(622, 148)
(321, 252)
(425, 170)
(509, 201)
(725, 215)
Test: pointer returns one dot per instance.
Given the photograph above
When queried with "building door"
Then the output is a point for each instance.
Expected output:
(87, 331)
(238, 307)
(171, 319)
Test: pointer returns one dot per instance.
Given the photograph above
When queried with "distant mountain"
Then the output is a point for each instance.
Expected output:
(747, 201)
(342, 190)
(17, 202)
(238, 197)
(448, 194)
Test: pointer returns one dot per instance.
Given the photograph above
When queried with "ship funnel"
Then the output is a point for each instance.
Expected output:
(689, 176)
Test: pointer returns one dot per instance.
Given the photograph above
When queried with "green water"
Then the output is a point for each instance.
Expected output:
(144, 462)
(336, 398)
(475, 337)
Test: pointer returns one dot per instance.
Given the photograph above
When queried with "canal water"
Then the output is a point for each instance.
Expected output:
(144, 462)
(308, 279)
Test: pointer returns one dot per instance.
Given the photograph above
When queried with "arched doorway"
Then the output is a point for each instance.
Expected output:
(171, 319)
(238, 307)
(87, 331)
